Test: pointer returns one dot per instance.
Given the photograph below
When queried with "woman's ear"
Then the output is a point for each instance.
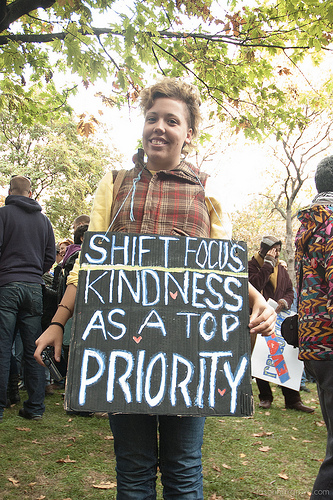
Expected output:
(188, 136)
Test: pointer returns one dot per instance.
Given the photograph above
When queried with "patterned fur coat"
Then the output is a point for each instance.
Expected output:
(314, 245)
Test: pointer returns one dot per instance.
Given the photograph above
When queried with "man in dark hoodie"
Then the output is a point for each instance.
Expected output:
(27, 251)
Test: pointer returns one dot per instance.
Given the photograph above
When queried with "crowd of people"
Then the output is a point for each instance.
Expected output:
(168, 196)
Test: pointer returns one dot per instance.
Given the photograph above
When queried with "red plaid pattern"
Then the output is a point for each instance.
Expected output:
(170, 202)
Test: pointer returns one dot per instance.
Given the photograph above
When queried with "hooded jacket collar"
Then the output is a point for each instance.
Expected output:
(27, 204)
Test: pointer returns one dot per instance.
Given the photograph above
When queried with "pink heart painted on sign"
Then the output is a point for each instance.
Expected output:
(222, 393)
(174, 295)
(137, 339)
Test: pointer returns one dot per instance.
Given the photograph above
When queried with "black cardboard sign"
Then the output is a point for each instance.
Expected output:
(160, 327)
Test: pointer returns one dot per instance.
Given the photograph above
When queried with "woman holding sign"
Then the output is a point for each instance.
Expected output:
(166, 195)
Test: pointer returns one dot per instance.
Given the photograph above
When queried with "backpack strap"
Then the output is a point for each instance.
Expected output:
(117, 182)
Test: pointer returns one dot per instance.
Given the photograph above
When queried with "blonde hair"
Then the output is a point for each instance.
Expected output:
(173, 88)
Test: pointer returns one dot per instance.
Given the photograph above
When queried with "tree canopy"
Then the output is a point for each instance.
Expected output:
(64, 167)
(230, 53)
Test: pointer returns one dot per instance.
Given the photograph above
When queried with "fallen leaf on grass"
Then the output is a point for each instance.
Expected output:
(15, 482)
(225, 466)
(306, 441)
(264, 448)
(24, 429)
(66, 460)
(262, 434)
(283, 476)
(108, 438)
(105, 486)
(215, 497)
(245, 462)
(320, 424)
(215, 467)
(42, 497)
(293, 438)
(242, 455)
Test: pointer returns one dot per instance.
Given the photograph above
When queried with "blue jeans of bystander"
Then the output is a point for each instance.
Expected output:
(21, 306)
(179, 456)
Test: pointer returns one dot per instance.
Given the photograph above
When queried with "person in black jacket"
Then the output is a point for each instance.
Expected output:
(27, 251)
(268, 276)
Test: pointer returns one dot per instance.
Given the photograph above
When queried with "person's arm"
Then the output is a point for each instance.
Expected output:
(288, 295)
(50, 251)
(53, 335)
(101, 211)
(259, 277)
(220, 224)
(263, 316)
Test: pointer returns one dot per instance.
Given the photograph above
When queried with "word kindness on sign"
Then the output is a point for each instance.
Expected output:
(160, 326)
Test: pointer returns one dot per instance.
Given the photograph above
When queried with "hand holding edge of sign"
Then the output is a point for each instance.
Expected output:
(263, 316)
(53, 335)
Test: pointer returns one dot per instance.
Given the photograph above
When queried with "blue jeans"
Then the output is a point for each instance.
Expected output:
(322, 371)
(179, 457)
(21, 307)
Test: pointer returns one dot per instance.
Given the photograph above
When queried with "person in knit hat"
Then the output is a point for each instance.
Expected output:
(268, 276)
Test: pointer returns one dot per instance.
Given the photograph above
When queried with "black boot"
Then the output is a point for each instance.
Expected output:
(13, 395)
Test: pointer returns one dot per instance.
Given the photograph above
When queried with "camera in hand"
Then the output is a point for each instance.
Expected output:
(57, 369)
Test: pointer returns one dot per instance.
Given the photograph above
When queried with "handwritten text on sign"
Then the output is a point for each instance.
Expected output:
(160, 326)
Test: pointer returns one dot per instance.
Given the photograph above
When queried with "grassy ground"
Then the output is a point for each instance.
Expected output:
(274, 455)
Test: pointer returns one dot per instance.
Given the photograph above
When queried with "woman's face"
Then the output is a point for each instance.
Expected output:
(62, 249)
(164, 133)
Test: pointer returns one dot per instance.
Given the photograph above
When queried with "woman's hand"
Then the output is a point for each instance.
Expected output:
(263, 316)
(51, 337)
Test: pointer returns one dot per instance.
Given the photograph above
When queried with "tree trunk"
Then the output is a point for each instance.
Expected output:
(290, 251)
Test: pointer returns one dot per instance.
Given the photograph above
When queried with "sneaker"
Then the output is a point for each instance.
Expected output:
(29, 416)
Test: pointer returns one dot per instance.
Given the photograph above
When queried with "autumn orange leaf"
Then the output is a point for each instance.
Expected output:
(15, 482)
(105, 486)
(264, 449)
(66, 460)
